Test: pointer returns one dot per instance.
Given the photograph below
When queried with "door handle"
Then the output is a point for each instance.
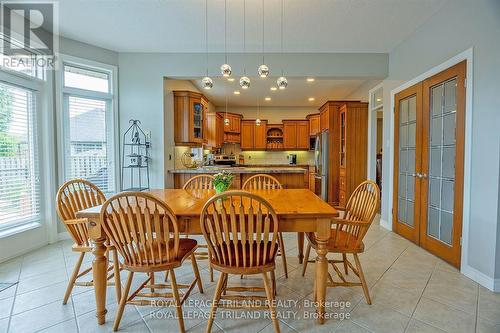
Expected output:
(423, 176)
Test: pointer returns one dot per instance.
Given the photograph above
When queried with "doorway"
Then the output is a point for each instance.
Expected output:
(429, 137)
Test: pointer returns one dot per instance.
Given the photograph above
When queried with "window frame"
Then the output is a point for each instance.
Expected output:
(45, 143)
(63, 126)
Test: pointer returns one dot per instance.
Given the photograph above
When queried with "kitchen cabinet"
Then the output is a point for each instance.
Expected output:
(314, 124)
(253, 136)
(295, 134)
(215, 130)
(353, 141)
(232, 130)
(189, 118)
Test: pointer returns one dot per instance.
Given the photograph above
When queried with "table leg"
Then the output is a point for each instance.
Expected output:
(322, 236)
(99, 272)
(300, 245)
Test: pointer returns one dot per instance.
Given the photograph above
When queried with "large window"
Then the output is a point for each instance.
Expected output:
(19, 174)
(89, 150)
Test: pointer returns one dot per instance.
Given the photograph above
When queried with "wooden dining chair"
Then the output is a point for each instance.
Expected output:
(201, 182)
(347, 235)
(241, 230)
(146, 234)
(267, 182)
(73, 196)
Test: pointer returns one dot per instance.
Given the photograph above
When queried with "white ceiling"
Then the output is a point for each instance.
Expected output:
(309, 26)
(296, 94)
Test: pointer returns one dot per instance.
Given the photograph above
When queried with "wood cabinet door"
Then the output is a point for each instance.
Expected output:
(314, 125)
(324, 119)
(260, 135)
(220, 130)
(303, 134)
(235, 124)
(247, 134)
(289, 135)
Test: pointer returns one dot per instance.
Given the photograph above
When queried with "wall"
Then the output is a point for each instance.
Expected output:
(274, 115)
(86, 51)
(457, 26)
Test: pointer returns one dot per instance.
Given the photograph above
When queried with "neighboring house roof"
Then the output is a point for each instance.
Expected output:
(88, 126)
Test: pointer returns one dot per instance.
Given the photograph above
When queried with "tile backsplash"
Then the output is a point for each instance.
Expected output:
(269, 157)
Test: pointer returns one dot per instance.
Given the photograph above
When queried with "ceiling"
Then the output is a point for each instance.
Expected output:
(297, 93)
(309, 26)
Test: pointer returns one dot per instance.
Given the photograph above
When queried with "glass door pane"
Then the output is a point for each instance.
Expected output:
(442, 150)
(407, 123)
(198, 120)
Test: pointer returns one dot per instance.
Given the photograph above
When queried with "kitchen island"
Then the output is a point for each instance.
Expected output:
(288, 176)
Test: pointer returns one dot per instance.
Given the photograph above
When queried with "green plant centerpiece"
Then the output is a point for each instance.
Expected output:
(222, 181)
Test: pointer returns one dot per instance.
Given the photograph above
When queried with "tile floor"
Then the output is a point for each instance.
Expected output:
(412, 291)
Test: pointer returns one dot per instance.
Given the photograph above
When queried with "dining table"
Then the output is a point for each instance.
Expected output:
(298, 210)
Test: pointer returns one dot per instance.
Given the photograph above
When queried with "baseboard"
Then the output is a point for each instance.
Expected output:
(63, 236)
(386, 224)
(481, 278)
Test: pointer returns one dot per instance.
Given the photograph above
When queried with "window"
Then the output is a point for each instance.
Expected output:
(88, 126)
(24, 64)
(19, 174)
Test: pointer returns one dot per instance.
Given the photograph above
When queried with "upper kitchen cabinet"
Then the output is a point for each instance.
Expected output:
(314, 124)
(189, 118)
(215, 130)
(232, 130)
(253, 136)
(295, 134)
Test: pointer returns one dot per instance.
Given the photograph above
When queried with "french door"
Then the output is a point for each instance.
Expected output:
(429, 154)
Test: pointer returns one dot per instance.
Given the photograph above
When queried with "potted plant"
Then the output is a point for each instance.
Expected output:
(222, 181)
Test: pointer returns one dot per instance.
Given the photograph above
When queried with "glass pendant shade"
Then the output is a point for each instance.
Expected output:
(225, 70)
(263, 70)
(257, 122)
(282, 82)
(226, 121)
(244, 82)
(207, 83)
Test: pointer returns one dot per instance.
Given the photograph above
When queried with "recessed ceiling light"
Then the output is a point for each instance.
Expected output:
(379, 99)
(274, 88)
(267, 98)
(310, 79)
(236, 92)
(311, 99)
(230, 79)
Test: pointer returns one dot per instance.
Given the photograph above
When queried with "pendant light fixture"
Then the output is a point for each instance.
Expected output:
(244, 80)
(225, 69)
(206, 81)
(282, 82)
(263, 69)
(226, 119)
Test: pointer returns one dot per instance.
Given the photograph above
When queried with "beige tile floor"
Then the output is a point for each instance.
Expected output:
(412, 291)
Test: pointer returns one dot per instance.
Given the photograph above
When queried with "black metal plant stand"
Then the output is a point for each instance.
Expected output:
(135, 158)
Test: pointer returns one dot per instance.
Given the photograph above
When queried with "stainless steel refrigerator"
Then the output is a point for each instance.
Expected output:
(321, 163)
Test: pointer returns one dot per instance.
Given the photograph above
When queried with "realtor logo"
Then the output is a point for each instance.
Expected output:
(29, 29)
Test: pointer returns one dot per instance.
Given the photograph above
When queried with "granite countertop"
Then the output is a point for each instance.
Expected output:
(269, 169)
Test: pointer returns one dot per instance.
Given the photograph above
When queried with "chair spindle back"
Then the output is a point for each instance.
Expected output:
(143, 229)
(262, 182)
(73, 196)
(241, 229)
(200, 182)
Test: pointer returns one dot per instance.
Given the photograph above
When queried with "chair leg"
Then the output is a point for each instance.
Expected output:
(196, 273)
(166, 276)
(306, 259)
(123, 301)
(215, 302)
(74, 275)
(270, 298)
(283, 254)
(118, 283)
(362, 278)
(344, 259)
(178, 304)
(211, 274)
(273, 281)
(152, 275)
